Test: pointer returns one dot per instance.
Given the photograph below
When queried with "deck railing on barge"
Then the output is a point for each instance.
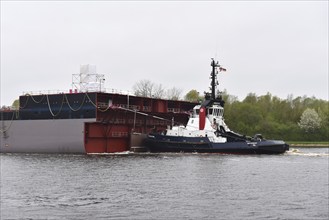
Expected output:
(70, 91)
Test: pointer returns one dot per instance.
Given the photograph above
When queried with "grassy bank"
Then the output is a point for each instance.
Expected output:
(323, 144)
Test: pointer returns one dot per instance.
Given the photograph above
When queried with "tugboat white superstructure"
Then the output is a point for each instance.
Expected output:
(206, 131)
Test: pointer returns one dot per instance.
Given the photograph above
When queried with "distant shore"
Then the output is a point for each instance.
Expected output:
(308, 144)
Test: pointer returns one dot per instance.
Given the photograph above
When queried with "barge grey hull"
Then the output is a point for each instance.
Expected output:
(43, 136)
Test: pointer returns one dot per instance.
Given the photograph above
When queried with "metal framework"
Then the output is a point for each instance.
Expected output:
(88, 80)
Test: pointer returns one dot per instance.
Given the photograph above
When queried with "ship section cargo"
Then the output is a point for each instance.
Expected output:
(90, 122)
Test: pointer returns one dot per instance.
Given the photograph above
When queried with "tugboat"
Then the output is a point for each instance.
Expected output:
(206, 131)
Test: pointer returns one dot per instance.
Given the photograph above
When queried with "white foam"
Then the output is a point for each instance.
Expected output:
(117, 153)
(298, 152)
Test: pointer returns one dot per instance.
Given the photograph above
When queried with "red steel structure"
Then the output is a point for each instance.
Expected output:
(119, 117)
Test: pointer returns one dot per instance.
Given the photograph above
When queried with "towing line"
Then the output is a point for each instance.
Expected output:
(145, 114)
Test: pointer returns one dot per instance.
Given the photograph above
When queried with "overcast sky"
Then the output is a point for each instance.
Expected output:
(273, 46)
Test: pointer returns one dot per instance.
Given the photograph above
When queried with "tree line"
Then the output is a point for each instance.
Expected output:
(146, 88)
(293, 119)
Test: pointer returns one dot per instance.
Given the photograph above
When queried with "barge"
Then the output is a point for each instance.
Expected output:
(85, 119)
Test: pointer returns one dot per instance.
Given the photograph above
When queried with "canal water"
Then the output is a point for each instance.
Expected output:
(166, 186)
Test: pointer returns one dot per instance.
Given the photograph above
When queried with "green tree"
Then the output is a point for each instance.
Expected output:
(193, 96)
(251, 98)
(276, 118)
(15, 104)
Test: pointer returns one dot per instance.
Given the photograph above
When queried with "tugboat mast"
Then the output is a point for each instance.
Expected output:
(214, 82)
(213, 77)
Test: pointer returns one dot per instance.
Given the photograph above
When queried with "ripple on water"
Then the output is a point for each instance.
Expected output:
(165, 186)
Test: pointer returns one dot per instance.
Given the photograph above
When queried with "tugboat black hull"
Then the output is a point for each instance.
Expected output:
(164, 143)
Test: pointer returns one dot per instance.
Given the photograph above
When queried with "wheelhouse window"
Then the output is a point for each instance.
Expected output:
(195, 113)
